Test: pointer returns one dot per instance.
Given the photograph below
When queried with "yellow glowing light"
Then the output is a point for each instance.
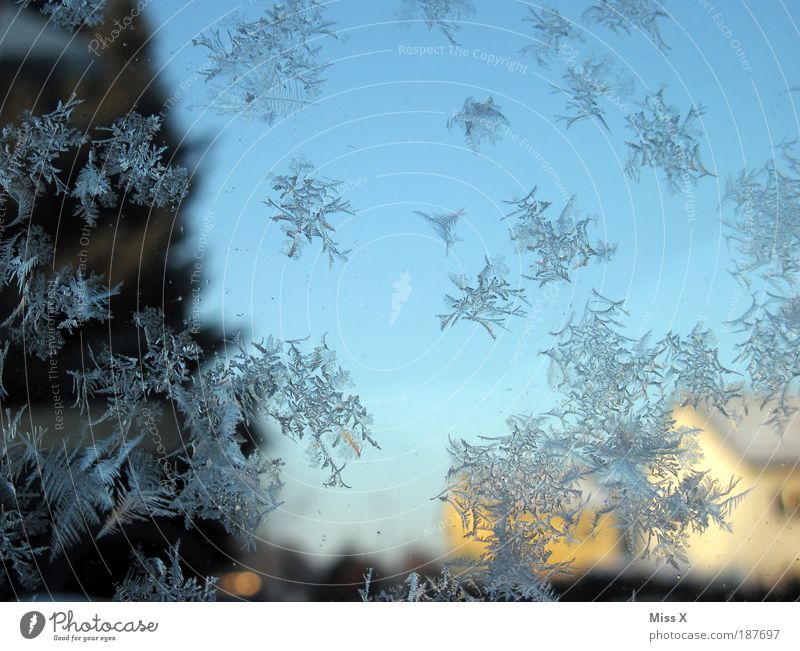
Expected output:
(592, 548)
(242, 584)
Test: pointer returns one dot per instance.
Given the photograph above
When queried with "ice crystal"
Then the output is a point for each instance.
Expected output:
(52, 303)
(765, 229)
(29, 153)
(79, 485)
(305, 204)
(489, 302)
(20, 523)
(53, 497)
(551, 30)
(613, 427)
(143, 495)
(130, 155)
(311, 403)
(559, 246)
(69, 15)
(628, 16)
(304, 392)
(479, 121)
(444, 587)
(445, 15)
(19, 558)
(444, 225)
(625, 434)
(771, 354)
(491, 489)
(126, 161)
(698, 377)
(151, 579)
(665, 141)
(586, 85)
(765, 233)
(268, 68)
(64, 301)
(99, 489)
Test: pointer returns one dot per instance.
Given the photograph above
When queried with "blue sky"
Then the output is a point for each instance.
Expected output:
(380, 126)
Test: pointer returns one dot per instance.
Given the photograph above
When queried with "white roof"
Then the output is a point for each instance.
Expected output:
(759, 443)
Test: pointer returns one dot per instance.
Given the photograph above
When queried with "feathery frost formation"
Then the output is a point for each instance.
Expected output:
(614, 427)
(445, 15)
(629, 17)
(489, 302)
(666, 141)
(551, 32)
(764, 232)
(70, 15)
(304, 205)
(55, 495)
(151, 579)
(559, 246)
(268, 68)
(587, 85)
(480, 121)
(444, 225)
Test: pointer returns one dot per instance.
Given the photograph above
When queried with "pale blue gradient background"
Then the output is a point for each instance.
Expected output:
(380, 126)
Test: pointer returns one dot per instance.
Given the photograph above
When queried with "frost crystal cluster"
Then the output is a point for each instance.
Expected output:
(666, 141)
(610, 449)
(310, 402)
(29, 155)
(126, 163)
(444, 225)
(765, 229)
(489, 302)
(151, 579)
(586, 86)
(614, 430)
(447, 586)
(765, 233)
(304, 205)
(629, 16)
(770, 352)
(69, 15)
(551, 30)
(479, 121)
(128, 159)
(105, 477)
(442, 14)
(559, 246)
(97, 489)
(268, 68)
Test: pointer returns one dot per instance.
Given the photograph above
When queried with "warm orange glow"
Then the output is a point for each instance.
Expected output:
(588, 551)
(762, 548)
(242, 584)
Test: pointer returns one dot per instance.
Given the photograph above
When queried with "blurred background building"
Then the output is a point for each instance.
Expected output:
(758, 558)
